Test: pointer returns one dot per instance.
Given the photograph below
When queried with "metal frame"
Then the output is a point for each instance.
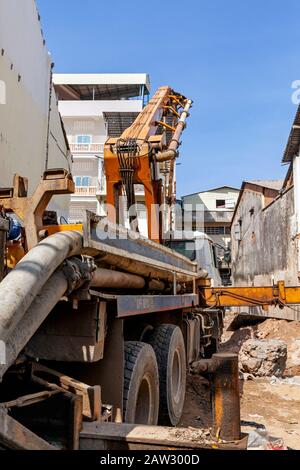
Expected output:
(266, 296)
(133, 305)
(30, 209)
(138, 255)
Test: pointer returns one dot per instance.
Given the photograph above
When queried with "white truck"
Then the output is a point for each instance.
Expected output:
(197, 246)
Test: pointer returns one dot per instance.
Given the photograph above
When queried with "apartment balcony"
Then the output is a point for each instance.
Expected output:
(87, 148)
(218, 216)
(86, 191)
(210, 216)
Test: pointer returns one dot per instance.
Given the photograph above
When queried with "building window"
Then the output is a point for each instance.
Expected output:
(228, 230)
(83, 181)
(225, 204)
(220, 204)
(214, 230)
(84, 139)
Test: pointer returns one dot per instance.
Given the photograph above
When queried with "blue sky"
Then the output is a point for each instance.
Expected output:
(235, 59)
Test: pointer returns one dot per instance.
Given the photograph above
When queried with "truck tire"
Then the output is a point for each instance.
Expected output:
(141, 384)
(168, 344)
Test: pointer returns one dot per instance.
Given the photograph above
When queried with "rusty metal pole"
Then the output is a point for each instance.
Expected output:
(226, 397)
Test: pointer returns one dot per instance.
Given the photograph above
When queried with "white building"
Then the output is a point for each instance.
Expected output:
(31, 134)
(94, 107)
(211, 212)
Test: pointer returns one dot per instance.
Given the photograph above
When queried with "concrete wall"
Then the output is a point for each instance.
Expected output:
(87, 118)
(267, 251)
(25, 70)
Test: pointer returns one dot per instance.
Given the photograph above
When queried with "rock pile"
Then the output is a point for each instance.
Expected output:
(263, 358)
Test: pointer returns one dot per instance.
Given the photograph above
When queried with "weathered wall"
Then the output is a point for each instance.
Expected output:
(25, 67)
(267, 252)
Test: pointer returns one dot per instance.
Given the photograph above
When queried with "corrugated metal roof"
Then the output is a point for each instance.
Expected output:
(100, 86)
(102, 79)
(117, 123)
(271, 184)
(211, 190)
(293, 144)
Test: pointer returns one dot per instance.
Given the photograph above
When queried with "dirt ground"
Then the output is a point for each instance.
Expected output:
(274, 404)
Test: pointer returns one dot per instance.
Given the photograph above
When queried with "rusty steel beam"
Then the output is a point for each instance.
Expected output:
(226, 397)
(223, 372)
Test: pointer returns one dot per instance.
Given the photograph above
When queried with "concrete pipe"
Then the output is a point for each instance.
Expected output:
(40, 308)
(21, 286)
(109, 279)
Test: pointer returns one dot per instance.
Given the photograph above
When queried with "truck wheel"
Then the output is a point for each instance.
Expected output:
(141, 384)
(168, 344)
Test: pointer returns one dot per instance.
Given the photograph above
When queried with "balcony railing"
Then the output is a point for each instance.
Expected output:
(86, 190)
(87, 148)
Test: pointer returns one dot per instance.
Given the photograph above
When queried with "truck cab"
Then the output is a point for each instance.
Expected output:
(197, 246)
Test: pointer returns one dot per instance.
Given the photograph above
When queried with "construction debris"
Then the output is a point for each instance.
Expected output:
(261, 440)
(263, 358)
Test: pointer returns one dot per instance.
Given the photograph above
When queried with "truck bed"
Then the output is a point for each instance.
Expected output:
(113, 245)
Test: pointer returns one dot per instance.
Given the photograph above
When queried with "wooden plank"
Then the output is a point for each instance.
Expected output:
(15, 436)
(91, 396)
(109, 436)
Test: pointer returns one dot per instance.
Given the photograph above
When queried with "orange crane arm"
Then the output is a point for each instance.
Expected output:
(145, 154)
(265, 296)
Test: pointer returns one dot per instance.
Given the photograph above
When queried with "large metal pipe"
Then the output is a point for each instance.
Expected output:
(21, 286)
(40, 308)
(110, 279)
(171, 152)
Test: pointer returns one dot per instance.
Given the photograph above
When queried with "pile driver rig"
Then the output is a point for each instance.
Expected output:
(145, 154)
(100, 330)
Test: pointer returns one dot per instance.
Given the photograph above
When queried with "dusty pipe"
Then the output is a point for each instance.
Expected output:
(43, 303)
(106, 278)
(171, 152)
(20, 287)
(226, 396)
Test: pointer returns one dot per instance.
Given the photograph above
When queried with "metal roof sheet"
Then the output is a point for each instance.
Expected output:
(293, 144)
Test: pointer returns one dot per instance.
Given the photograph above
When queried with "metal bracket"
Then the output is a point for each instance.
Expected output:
(30, 209)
